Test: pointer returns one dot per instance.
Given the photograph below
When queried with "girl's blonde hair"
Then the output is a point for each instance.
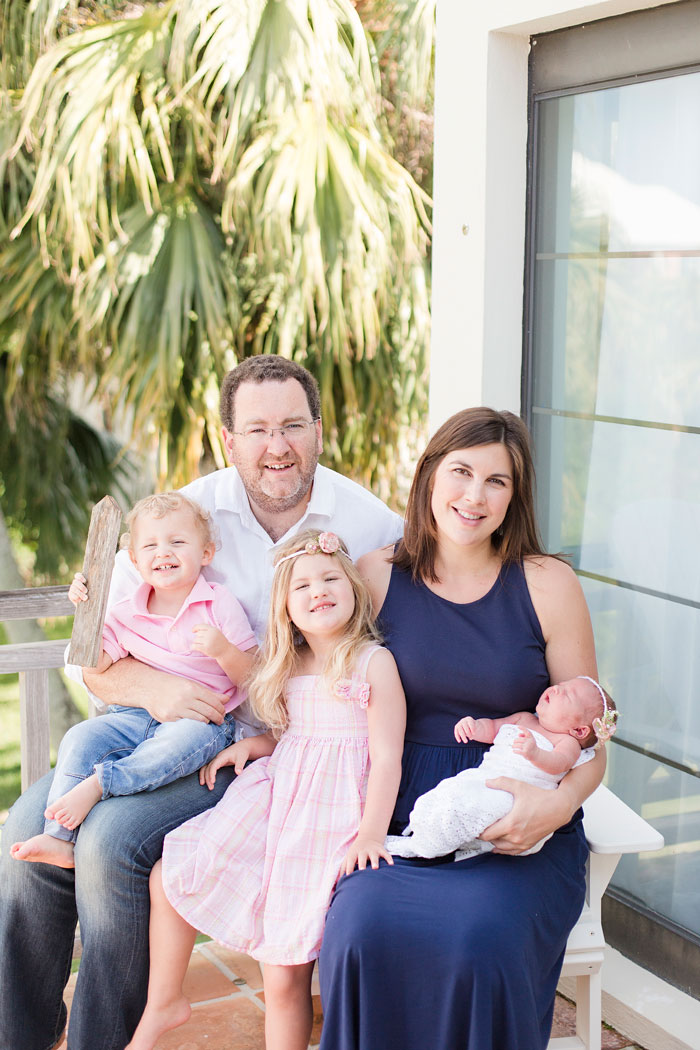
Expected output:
(163, 503)
(278, 656)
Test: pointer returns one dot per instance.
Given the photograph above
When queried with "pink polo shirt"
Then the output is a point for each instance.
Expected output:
(164, 642)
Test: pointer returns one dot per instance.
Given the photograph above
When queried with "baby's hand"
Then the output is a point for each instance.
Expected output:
(235, 755)
(77, 592)
(525, 744)
(209, 640)
(465, 729)
(364, 852)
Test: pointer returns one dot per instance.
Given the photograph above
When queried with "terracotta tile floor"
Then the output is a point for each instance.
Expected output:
(228, 1010)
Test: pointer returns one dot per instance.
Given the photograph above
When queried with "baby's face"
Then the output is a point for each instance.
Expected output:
(562, 707)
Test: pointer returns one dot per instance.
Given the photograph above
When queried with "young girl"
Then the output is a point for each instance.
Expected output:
(175, 621)
(257, 871)
(538, 748)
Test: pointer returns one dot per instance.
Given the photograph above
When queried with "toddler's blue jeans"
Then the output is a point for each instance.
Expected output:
(131, 752)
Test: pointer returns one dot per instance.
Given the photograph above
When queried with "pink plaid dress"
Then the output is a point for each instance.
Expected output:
(257, 871)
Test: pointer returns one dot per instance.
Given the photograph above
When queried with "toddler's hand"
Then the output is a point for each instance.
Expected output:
(465, 729)
(364, 852)
(525, 744)
(235, 755)
(78, 592)
(209, 640)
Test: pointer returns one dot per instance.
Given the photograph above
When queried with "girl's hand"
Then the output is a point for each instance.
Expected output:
(465, 729)
(235, 755)
(364, 852)
(78, 592)
(525, 745)
(209, 640)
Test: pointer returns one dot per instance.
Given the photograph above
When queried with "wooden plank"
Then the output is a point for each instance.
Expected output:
(86, 639)
(32, 603)
(29, 656)
(34, 725)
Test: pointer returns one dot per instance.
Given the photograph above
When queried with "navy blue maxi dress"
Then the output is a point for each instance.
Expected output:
(434, 953)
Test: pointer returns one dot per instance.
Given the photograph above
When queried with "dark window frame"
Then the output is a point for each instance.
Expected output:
(645, 45)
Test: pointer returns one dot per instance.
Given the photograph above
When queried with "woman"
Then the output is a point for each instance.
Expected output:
(466, 955)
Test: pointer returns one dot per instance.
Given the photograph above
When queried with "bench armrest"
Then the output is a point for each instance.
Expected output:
(612, 827)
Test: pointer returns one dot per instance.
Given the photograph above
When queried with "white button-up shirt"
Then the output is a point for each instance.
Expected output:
(244, 558)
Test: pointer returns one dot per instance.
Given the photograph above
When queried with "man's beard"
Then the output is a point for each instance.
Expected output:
(279, 504)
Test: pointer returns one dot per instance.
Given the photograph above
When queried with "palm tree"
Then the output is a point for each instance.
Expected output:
(188, 182)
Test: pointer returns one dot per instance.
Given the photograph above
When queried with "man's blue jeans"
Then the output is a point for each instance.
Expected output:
(131, 752)
(119, 842)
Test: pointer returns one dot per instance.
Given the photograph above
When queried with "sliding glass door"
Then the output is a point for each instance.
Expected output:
(613, 399)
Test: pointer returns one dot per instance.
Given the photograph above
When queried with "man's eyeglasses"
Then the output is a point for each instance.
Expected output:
(291, 432)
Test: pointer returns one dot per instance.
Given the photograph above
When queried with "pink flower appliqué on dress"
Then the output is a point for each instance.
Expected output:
(352, 689)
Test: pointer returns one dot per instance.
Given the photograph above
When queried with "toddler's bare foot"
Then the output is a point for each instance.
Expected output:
(157, 1020)
(72, 808)
(46, 850)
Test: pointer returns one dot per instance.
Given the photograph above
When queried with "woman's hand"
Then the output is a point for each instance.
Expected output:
(536, 813)
(365, 851)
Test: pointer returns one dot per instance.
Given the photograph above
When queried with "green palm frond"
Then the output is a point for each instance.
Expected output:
(16, 176)
(252, 63)
(409, 37)
(36, 320)
(350, 299)
(26, 29)
(95, 109)
(160, 303)
(53, 467)
(349, 220)
(403, 32)
(30, 28)
(193, 181)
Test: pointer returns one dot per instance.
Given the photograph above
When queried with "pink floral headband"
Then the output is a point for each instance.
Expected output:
(605, 726)
(325, 543)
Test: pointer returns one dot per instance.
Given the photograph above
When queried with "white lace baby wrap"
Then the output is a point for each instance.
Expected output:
(453, 814)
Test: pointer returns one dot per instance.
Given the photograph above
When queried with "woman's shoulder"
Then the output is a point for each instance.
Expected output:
(556, 594)
(548, 574)
(375, 561)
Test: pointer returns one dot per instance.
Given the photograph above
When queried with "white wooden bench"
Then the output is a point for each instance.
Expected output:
(611, 828)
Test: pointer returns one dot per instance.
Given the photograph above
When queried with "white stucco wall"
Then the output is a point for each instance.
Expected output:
(480, 180)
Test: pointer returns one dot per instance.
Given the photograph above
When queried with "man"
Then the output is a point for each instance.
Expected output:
(270, 411)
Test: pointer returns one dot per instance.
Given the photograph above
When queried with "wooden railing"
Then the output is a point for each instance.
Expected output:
(33, 661)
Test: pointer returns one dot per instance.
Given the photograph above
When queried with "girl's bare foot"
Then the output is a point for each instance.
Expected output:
(45, 849)
(157, 1020)
(72, 808)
